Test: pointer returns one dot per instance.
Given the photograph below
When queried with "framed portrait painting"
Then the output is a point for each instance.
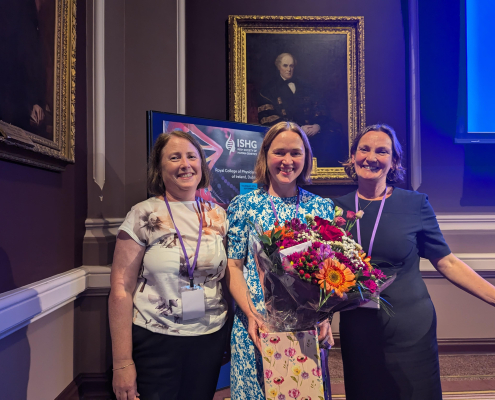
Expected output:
(37, 82)
(309, 70)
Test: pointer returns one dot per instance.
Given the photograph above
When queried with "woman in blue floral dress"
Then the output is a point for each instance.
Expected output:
(283, 162)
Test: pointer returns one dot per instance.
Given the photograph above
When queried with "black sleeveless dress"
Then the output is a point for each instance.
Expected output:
(395, 358)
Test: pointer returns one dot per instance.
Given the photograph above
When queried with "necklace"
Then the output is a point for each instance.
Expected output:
(359, 203)
(370, 201)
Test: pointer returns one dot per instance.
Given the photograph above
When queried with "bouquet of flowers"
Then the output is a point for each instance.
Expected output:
(313, 268)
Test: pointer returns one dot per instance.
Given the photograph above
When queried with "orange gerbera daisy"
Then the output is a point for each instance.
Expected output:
(366, 260)
(335, 276)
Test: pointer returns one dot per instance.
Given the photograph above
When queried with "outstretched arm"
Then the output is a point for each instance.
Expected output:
(464, 277)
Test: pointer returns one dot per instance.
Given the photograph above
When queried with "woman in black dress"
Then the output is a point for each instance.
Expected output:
(392, 358)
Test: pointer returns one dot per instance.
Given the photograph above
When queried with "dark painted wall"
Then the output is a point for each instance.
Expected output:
(458, 178)
(385, 56)
(42, 213)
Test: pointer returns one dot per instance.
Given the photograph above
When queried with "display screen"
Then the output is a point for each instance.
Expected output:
(231, 149)
(477, 123)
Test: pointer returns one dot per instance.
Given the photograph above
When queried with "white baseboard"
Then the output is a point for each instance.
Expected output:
(20, 307)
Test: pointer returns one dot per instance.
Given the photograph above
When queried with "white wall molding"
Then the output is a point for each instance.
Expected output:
(98, 84)
(481, 262)
(20, 307)
(102, 227)
(466, 222)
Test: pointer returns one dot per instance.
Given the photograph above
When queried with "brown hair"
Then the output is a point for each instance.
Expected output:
(397, 171)
(155, 180)
(262, 175)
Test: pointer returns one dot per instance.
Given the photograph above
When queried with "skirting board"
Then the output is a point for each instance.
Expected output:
(87, 386)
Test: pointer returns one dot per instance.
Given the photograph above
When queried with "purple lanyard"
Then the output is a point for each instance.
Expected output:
(190, 268)
(275, 211)
(376, 222)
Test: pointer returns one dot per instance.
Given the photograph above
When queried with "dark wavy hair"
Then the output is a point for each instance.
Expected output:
(397, 171)
(155, 180)
(262, 175)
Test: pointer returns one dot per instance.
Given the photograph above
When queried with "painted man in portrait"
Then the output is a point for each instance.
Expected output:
(288, 98)
(26, 69)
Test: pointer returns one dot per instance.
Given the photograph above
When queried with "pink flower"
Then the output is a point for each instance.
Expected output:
(263, 335)
(281, 396)
(371, 285)
(359, 214)
(294, 393)
(305, 375)
(274, 339)
(378, 274)
(306, 398)
(312, 332)
(350, 215)
(339, 221)
(268, 374)
(277, 356)
(301, 359)
(316, 372)
(278, 381)
(290, 352)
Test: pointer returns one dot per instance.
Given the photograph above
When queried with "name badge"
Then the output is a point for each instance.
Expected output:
(193, 302)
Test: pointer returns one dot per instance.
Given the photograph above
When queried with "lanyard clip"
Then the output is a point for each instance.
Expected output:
(191, 282)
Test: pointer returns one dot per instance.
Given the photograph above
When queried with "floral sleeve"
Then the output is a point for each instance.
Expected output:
(327, 209)
(133, 225)
(237, 229)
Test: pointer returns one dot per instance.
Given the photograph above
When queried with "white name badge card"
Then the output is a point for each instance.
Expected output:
(193, 302)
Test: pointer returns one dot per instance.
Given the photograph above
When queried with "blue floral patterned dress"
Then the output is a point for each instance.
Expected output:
(246, 374)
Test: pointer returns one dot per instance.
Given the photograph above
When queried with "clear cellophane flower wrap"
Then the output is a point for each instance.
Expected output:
(292, 304)
(296, 299)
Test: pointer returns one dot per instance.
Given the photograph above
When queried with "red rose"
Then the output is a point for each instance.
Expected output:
(301, 272)
(331, 233)
(321, 222)
(350, 215)
(307, 276)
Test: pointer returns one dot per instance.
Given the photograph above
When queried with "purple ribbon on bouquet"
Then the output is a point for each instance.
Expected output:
(325, 374)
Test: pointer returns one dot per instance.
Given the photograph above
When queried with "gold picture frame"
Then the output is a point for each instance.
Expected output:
(46, 138)
(342, 38)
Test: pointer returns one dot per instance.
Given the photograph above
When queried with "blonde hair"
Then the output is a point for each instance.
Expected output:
(262, 175)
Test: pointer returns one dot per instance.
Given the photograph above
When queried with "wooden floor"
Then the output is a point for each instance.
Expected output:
(464, 377)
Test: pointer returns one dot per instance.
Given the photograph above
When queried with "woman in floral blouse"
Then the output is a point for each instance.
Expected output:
(283, 163)
(167, 345)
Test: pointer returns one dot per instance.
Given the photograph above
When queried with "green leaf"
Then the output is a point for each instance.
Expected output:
(321, 398)
(267, 359)
(266, 240)
(294, 379)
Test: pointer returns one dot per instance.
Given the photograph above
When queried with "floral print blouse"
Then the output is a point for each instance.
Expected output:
(157, 299)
